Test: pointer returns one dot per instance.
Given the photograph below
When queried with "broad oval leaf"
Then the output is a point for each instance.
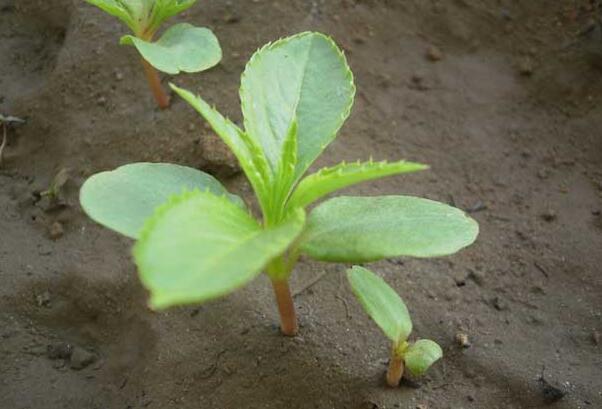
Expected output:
(421, 355)
(381, 303)
(362, 229)
(182, 47)
(124, 198)
(328, 180)
(305, 77)
(200, 246)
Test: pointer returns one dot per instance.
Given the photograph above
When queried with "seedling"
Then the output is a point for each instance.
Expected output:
(53, 191)
(182, 47)
(197, 242)
(390, 313)
(5, 122)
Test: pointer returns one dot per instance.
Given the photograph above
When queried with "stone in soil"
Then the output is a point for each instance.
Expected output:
(81, 358)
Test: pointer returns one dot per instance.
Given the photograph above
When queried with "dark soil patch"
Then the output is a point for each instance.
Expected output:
(503, 99)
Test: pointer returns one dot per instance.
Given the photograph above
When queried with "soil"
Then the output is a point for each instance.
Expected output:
(502, 98)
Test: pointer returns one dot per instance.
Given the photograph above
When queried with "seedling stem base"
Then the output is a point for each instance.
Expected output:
(154, 82)
(395, 371)
(286, 307)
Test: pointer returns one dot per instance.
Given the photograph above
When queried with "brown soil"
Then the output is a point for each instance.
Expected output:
(503, 99)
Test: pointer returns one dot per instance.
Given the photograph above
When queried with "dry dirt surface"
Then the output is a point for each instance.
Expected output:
(504, 100)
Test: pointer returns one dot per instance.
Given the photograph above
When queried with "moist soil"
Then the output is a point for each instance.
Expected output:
(502, 98)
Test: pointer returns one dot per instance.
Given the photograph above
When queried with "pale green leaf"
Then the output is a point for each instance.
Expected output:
(284, 176)
(249, 155)
(328, 180)
(124, 198)
(200, 246)
(164, 9)
(362, 229)
(117, 9)
(305, 77)
(421, 355)
(182, 47)
(381, 303)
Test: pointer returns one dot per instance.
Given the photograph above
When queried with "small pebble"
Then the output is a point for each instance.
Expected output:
(549, 215)
(525, 67)
(56, 231)
(462, 340)
(596, 338)
(434, 54)
(43, 300)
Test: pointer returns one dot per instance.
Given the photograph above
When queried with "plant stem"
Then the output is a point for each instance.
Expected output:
(3, 145)
(155, 84)
(286, 307)
(395, 371)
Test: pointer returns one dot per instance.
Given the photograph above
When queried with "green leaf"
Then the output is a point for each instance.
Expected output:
(117, 9)
(305, 77)
(421, 355)
(249, 155)
(362, 229)
(164, 9)
(124, 198)
(328, 180)
(200, 246)
(381, 302)
(182, 47)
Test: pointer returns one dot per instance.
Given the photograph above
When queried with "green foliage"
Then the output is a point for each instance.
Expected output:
(303, 78)
(181, 48)
(296, 93)
(328, 180)
(381, 302)
(123, 199)
(420, 356)
(362, 229)
(390, 313)
(200, 246)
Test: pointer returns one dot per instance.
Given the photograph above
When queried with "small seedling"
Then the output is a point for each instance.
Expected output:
(182, 47)
(53, 191)
(390, 313)
(197, 242)
(5, 122)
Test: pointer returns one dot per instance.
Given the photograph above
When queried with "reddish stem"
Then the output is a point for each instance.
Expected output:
(286, 307)
(395, 371)
(155, 84)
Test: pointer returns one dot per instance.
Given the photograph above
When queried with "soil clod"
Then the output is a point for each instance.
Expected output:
(81, 358)
(550, 392)
(59, 350)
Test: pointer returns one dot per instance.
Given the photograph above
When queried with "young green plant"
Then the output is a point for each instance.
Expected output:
(197, 242)
(390, 313)
(182, 47)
